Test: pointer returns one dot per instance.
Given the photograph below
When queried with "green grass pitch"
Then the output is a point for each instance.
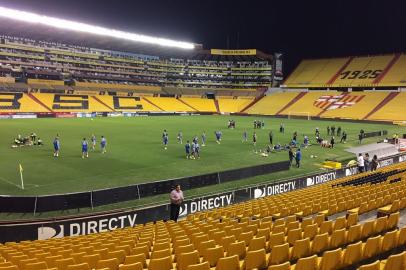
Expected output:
(135, 153)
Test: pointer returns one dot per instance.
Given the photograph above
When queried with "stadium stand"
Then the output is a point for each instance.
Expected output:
(303, 229)
(393, 110)
(363, 71)
(19, 102)
(267, 106)
(230, 105)
(200, 104)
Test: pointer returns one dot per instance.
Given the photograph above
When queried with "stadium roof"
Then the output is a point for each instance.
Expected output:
(12, 24)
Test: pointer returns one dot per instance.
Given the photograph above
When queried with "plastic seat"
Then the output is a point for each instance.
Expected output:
(293, 235)
(144, 249)
(310, 231)
(371, 247)
(389, 241)
(320, 243)
(354, 233)
(402, 237)
(212, 255)
(352, 219)
(308, 263)
(372, 266)
(282, 266)
(392, 221)
(330, 260)
(226, 241)
(395, 262)
(237, 248)
(367, 229)
(203, 246)
(255, 260)
(118, 254)
(340, 223)
(300, 249)
(326, 227)
(352, 254)
(279, 254)
(257, 243)
(380, 225)
(263, 232)
(228, 263)
(11, 267)
(338, 238)
(111, 264)
(161, 246)
(34, 266)
(276, 239)
(91, 260)
(133, 266)
(161, 263)
(161, 253)
(185, 259)
(79, 266)
(139, 258)
(200, 266)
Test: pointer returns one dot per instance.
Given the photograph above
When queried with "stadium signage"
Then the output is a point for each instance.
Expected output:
(207, 203)
(97, 225)
(274, 189)
(322, 178)
(233, 52)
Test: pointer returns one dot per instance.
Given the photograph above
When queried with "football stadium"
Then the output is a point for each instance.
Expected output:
(125, 151)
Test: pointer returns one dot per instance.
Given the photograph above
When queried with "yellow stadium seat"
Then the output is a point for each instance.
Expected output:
(372, 266)
(331, 260)
(308, 263)
(226, 263)
(257, 243)
(133, 266)
(389, 241)
(111, 264)
(213, 255)
(338, 238)
(352, 254)
(300, 249)
(237, 248)
(392, 221)
(310, 231)
(282, 266)
(371, 247)
(133, 259)
(279, 254)
(320, 243)
(354, 233)
(161, 264)
(200, 266)
(395, 262)
(255, 260)
(91, 260)
(80, 266)
(34, 266)
(186, 259)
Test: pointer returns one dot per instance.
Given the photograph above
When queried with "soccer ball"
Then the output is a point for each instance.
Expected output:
(91, 119)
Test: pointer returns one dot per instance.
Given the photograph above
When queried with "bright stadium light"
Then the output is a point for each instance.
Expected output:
(87, 28)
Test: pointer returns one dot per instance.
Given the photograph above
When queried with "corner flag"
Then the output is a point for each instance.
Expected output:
(21, 176)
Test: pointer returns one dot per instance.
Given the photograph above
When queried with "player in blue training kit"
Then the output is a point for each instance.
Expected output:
(85, 151)
(187, 149)
(103, 144)
(93, 139)
(165, 139)
(218, 136)
(245, 136)
(57, 146)
(204, 138)
(197, 150)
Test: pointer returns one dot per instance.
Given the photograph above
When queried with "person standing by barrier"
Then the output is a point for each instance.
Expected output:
(374, 163)
(361, 163)
(176, 197)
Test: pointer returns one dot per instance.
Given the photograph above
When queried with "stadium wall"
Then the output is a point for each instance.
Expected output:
(59, 202)
(87, 224)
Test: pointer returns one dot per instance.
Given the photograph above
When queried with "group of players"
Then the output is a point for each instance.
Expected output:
(85, 151)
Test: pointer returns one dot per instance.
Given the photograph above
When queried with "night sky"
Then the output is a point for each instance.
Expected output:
(299, 29)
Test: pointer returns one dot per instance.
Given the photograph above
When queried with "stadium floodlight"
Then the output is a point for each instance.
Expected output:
(87, 28)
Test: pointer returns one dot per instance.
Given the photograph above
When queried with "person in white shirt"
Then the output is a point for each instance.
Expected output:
(176, 197)
(361, 163)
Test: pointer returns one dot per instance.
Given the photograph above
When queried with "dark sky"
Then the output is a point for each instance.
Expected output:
(299, 29)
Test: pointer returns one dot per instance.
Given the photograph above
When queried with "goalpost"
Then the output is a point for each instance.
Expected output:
(299, 115)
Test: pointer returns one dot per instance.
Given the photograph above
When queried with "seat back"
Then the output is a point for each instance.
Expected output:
(396, 262)
(164, 263)
(352, 254)
(331, 259)
(301, 249)
(228, 263)
(308, 263)
(185, 259)
(320, 243)
(338, 238)
(199, 266)
(371, 247)
(212, 255)
(237, 248)
(279, 254)
(372, 266)
(354, 233)
(389, 241)
(255, 260)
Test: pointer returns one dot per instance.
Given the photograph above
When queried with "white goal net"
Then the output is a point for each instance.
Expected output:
(299, 115)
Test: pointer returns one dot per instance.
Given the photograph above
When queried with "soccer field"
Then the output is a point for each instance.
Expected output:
(135, 153)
